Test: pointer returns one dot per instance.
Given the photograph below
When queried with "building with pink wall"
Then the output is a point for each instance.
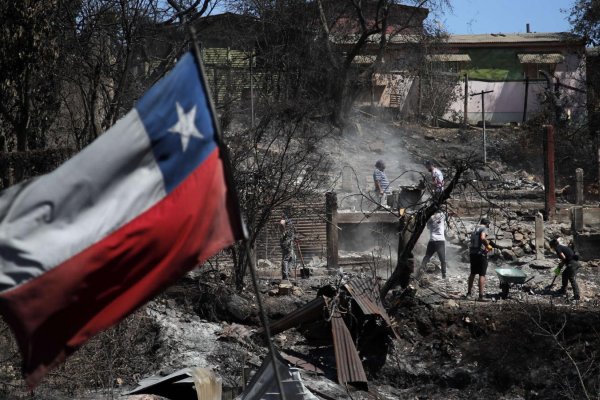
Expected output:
(514, 66)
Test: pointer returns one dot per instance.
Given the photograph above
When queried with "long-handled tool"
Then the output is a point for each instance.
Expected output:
(547, 288)
(301, 259)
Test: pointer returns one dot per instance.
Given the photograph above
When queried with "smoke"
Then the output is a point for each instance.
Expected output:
(362, 144)
(354, 155)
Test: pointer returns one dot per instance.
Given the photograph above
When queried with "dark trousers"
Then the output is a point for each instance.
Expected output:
(568, 275)
(439, 247)
(287, 259)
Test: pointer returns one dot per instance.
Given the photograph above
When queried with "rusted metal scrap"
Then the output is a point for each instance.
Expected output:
(359, 297)
(349, 367)
(366, 294)
(300, 362)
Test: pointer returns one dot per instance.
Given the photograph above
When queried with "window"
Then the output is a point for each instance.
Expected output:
(533, 63)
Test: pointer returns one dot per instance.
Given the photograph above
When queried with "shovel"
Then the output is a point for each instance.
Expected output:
(547, 288)
(301, 259)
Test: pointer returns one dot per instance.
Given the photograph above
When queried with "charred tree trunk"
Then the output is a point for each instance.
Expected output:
(411, 228)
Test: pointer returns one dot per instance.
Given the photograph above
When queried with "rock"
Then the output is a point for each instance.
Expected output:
(542, 264)
(285, 288)
(280, 339)
(504, 244)
(508, 255)
(452, 304)
(565, 229)
(518, 237)
(518, 252)
(296, 291)
(264, 263)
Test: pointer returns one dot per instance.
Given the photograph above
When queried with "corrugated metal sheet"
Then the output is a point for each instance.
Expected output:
(551, 58)
(347, 360)
(309, 219)
(366, 294)
(302, 363)
(226, 56)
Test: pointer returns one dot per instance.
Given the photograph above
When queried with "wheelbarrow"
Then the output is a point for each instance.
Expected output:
(509, 277)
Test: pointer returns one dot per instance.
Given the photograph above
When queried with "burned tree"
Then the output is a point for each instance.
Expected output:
(278, 161)
(30, 54)
(411, 228)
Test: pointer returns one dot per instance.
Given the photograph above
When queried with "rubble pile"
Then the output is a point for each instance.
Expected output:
(512, 240)
(519, 180)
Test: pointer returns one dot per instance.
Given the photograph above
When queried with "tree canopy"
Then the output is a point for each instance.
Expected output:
(585, 19)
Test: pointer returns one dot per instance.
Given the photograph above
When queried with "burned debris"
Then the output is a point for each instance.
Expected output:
(360, 328)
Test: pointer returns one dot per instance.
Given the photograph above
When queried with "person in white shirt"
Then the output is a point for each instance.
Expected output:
(437, 178)
(437, 240)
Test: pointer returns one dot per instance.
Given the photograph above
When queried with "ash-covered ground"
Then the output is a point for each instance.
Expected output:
(533, 344)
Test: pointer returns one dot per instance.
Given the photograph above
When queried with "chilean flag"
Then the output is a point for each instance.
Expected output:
(84, 246)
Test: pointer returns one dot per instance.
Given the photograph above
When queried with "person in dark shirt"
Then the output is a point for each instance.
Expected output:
(287, 240)
(567, 257)
(478, 250)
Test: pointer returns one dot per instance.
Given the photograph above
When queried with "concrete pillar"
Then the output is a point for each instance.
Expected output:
(332, 229)
(539, 236)
(579, 192)
(577, 219)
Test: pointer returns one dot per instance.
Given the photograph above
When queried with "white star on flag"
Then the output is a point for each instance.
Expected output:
(185, 125)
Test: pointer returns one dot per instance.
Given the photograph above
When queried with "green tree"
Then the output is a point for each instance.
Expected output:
(585, 19)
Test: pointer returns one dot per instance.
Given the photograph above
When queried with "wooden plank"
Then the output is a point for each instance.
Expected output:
(332, 229)
(362, 218)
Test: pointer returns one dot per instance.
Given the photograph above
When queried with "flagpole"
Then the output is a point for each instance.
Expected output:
(224, 152)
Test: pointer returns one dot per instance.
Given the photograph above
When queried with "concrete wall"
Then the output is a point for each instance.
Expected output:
(505, 104)
(587, 244)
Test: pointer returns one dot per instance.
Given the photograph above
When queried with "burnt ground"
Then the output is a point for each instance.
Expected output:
(532, 345)
(522, 347)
